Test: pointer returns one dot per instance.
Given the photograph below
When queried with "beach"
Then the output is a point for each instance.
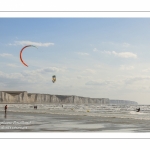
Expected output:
(55, 120)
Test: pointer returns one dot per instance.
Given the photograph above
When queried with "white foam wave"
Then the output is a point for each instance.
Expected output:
(88, 110)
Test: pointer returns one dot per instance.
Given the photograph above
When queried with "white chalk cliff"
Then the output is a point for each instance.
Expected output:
(24, 97)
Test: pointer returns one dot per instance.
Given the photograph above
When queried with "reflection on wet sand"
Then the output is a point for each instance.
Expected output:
(5, 116)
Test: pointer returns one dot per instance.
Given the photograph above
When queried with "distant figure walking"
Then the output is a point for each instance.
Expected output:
(5, 108)
(137, 110)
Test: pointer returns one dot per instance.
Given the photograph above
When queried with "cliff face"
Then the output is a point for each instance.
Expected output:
(122, 102)
(24, 97)
(13, 97)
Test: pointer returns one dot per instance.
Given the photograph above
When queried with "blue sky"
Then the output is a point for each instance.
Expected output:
(91, 57)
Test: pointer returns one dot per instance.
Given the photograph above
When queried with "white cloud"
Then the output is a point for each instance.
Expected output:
(84, 54)
(6, 55)
(79, 77)
(131, 80)
(106, 52)
(14, 44)
(32, 43)
(146, 70)
(126, 44)
(125, 54)
(27, 78)
(98, 83)
(12, 79)
(90, 71)
(123, 67)
(41, 72)
(11, 75)
(95, 50)
(13, 65)
(49, 69)
(121, 54)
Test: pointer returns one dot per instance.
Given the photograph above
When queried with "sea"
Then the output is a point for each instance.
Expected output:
(74, 118)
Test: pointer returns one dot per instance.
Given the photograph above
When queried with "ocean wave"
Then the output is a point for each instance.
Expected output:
(127, 112)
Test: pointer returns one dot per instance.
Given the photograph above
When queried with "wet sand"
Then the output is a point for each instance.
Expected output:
(33, 122)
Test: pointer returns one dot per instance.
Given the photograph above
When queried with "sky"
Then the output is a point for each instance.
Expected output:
(91, 57)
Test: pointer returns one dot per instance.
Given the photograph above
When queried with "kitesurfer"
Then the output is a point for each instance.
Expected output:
(137, 110)
(5, 108)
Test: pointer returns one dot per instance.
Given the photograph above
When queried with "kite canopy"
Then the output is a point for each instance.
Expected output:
(53, 78)
(22, 51)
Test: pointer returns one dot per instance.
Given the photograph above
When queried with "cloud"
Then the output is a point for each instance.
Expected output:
(79, 77)
(106, 52)
(11, 75)
(123, 67)
(125, 44)
(98, 83)
(10, 44)
(39, 44)
(12, 79)
(90, 70)
(95, 50)
(49, 69)
(13, 65)
(84, 54)
(121, 54)
(125, 54)
(146, 70)
(27, 76)
(42, 71)
(25, 79)
(6, 55)
(135, 79)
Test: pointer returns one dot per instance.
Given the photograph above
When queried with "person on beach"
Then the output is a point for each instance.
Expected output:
(5, 108)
